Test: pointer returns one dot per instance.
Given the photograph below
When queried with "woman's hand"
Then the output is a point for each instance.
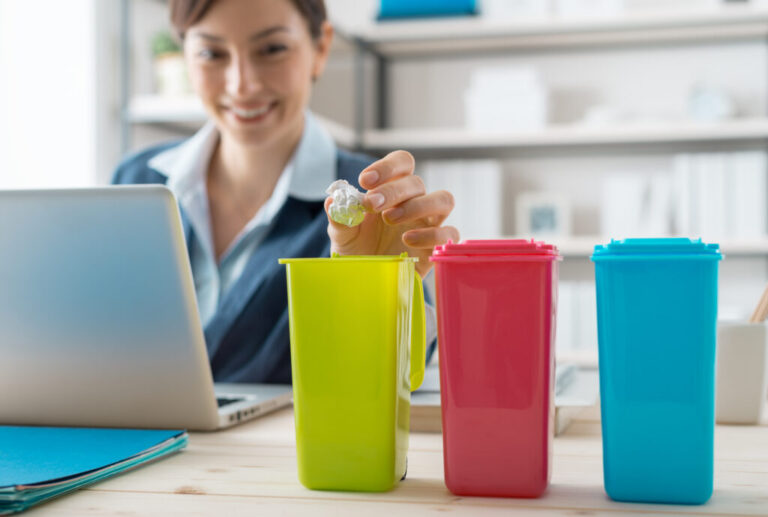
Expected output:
(401, 215)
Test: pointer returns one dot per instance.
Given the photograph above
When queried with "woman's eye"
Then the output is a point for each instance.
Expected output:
(209, 54)
(274, 49)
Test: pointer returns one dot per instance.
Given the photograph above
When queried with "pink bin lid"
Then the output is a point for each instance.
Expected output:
(512, 248)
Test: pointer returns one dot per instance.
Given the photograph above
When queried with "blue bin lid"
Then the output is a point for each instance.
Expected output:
(650, 247)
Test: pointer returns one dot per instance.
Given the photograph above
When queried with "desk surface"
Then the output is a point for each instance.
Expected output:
(251, 470)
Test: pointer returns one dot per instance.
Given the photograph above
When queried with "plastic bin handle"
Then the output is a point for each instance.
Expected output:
(418, 334)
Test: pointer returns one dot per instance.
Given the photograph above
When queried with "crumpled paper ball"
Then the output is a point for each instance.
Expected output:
(347, 207)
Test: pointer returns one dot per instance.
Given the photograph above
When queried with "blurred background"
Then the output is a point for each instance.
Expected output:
(573, 121)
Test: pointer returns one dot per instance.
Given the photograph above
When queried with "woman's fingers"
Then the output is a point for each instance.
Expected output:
(394, 192)
(433, 208)
(393, 165)
(428, 238)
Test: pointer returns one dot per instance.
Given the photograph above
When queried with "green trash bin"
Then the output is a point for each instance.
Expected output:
(357, 351)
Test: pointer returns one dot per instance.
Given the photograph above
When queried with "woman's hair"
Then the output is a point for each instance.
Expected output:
(185, 13)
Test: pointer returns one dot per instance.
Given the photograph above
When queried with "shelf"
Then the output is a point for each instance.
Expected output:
(582, 247)
(447, 140)
(189, 112)
(470, 34)
(153, 109)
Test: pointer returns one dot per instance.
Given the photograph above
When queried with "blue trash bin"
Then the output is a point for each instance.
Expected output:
(656, 320)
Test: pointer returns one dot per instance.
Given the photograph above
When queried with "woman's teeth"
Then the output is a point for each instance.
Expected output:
(250, 113)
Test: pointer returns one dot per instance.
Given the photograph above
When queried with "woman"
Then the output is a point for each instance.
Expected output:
(250, 184)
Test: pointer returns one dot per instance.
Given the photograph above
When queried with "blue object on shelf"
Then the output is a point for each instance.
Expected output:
(39, 463)
(656, 321)
(394, 9)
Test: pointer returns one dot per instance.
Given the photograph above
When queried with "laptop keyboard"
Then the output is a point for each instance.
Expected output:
(223, 401)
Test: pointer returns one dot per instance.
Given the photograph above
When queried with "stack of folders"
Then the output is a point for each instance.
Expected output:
(39, 463)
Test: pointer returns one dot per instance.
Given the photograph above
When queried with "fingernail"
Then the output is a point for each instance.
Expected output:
(409, 239)
(369, 178)
(376, 200)
(395, 214)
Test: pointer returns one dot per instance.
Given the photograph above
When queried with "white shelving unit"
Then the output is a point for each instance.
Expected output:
(450, 35)
(459, 140)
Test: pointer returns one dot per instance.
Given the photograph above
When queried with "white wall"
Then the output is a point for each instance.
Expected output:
(47, 91)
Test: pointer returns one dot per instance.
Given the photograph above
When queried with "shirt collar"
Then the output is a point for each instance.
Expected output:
(310, 171)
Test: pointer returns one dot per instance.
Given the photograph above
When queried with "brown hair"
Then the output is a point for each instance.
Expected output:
(185, 13)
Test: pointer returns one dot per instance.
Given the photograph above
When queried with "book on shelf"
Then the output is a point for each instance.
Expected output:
(721, 195)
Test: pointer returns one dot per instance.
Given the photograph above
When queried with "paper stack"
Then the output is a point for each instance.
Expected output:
(506, 99)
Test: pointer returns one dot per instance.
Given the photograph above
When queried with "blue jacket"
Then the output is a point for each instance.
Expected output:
(248, 338)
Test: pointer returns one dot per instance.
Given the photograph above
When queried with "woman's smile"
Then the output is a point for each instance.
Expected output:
(249, 114)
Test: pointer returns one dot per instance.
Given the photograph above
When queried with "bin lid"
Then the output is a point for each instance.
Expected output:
(655, 247)
(335, 257)
(496, 247)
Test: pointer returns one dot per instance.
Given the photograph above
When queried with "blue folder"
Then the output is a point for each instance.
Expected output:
(38, 463)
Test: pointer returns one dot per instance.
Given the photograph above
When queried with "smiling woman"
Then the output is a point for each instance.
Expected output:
(251, 183)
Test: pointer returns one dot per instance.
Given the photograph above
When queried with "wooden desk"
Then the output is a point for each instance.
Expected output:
(251, 470)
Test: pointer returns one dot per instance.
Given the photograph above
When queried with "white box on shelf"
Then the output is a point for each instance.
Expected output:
(476, 186)
(506, 98)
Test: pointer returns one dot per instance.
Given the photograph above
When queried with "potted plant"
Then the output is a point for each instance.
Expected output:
(170, 69)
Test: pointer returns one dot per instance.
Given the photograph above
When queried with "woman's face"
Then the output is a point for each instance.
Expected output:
(252, 63)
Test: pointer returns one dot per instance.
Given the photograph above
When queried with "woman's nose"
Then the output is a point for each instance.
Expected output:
(242, 78)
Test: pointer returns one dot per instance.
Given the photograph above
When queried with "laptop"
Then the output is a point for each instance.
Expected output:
(99, 324)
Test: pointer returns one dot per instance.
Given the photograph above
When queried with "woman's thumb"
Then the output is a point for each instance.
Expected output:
(341, 235)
